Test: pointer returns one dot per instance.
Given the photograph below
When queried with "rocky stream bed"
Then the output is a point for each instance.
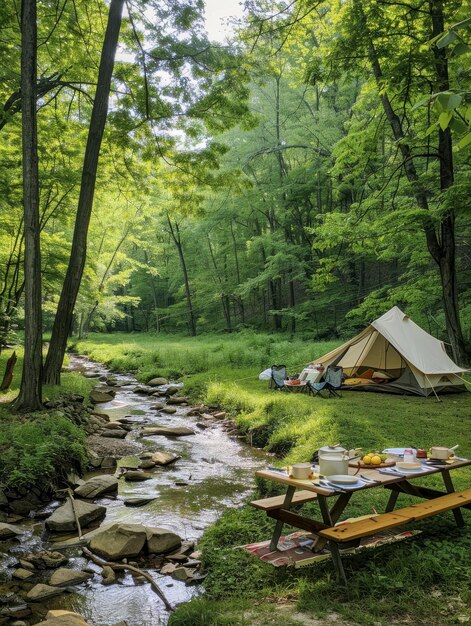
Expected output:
(118, 546)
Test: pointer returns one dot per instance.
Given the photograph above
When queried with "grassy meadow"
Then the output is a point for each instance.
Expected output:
(425, 580)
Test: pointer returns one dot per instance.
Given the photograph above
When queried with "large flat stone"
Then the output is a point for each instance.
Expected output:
(167, 431)
(7, 531)
(63, 518)
(164, 458)
(96, 486)
(41, 592)
(119, 541)
(161, 540)
(63, 618)
(100, 396)
(63, 577)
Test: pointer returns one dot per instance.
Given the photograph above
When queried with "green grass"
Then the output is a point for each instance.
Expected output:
(417, 579)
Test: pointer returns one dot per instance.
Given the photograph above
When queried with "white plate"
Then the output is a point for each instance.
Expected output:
(396, 451)
(411, 471)
(342, 479)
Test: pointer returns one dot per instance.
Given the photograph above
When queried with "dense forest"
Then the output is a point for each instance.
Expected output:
(303, 177)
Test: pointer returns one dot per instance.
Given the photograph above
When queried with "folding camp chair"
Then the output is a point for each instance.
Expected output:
(278, 377)
(332, 382)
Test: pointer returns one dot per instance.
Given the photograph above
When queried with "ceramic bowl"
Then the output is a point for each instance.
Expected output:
(302, 471)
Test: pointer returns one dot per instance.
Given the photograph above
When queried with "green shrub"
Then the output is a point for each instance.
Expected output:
(40, 449)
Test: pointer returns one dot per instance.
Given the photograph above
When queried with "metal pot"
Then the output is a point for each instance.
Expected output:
(330, 464)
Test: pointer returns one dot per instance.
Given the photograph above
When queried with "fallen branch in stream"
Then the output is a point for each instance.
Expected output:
(74, 510)
(121, 566)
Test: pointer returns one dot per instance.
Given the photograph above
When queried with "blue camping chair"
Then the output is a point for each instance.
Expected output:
(332, 382)
(278, 377)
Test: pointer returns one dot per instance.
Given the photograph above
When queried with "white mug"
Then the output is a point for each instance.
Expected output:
(301, 471)
(442, 453)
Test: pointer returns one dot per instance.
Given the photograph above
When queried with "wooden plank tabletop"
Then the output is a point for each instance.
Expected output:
(383, 479)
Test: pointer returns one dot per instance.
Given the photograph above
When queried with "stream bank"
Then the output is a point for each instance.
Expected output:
(213, 471)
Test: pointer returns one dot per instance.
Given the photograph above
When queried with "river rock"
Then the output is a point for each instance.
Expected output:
(97, 486)
(41, 592)
(108, 575)
(63, 518)
(164, 458)
(146, 464)
(144, 390)
(113, 426)
(63, 577)
(161, 540)
(91, 374)
(137, 501)
(100, 396)
(172, 390)
(167, 431)
(168, 569)
(156, 382)
(46, 559)
(22, 574)
(63, 618)
(158, 407)
(16, 611)
(119, 541)
(135, 476)
(114, 433)
(170, 410)
(7, 531)
(177, 400)
(182, 573)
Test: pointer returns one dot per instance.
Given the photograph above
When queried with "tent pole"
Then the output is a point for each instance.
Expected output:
(433, 389)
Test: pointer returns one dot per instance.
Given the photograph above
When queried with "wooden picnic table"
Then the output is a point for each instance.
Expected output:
(332, 503)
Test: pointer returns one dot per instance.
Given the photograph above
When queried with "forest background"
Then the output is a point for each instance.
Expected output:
(303, 177)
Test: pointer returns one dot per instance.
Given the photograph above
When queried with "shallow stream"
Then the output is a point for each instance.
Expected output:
(215, 472)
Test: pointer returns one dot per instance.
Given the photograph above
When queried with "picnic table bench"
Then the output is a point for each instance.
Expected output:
(349, 534)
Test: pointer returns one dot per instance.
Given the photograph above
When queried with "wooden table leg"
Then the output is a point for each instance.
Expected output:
(279, 524)
(330, 516)
(450, 489)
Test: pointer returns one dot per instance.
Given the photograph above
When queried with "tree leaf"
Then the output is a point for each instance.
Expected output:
(460, 48)
(447, 39)
(444, 119)
(462, 24)
(430, 129)
(464, 142)
(448, 101)
(457, 125)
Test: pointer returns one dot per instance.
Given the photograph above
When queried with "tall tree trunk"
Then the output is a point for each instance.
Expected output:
(175, 234)
(444, 255)
(441, 246)
(73, 277)
(225, 302)
(154, 294)
(292, 304)
(29, 398)
(240, 301)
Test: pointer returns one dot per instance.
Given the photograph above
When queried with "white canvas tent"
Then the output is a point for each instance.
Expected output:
(394, 345)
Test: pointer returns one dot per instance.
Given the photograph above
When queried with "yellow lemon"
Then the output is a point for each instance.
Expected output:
(376, 460)
(366, 459)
